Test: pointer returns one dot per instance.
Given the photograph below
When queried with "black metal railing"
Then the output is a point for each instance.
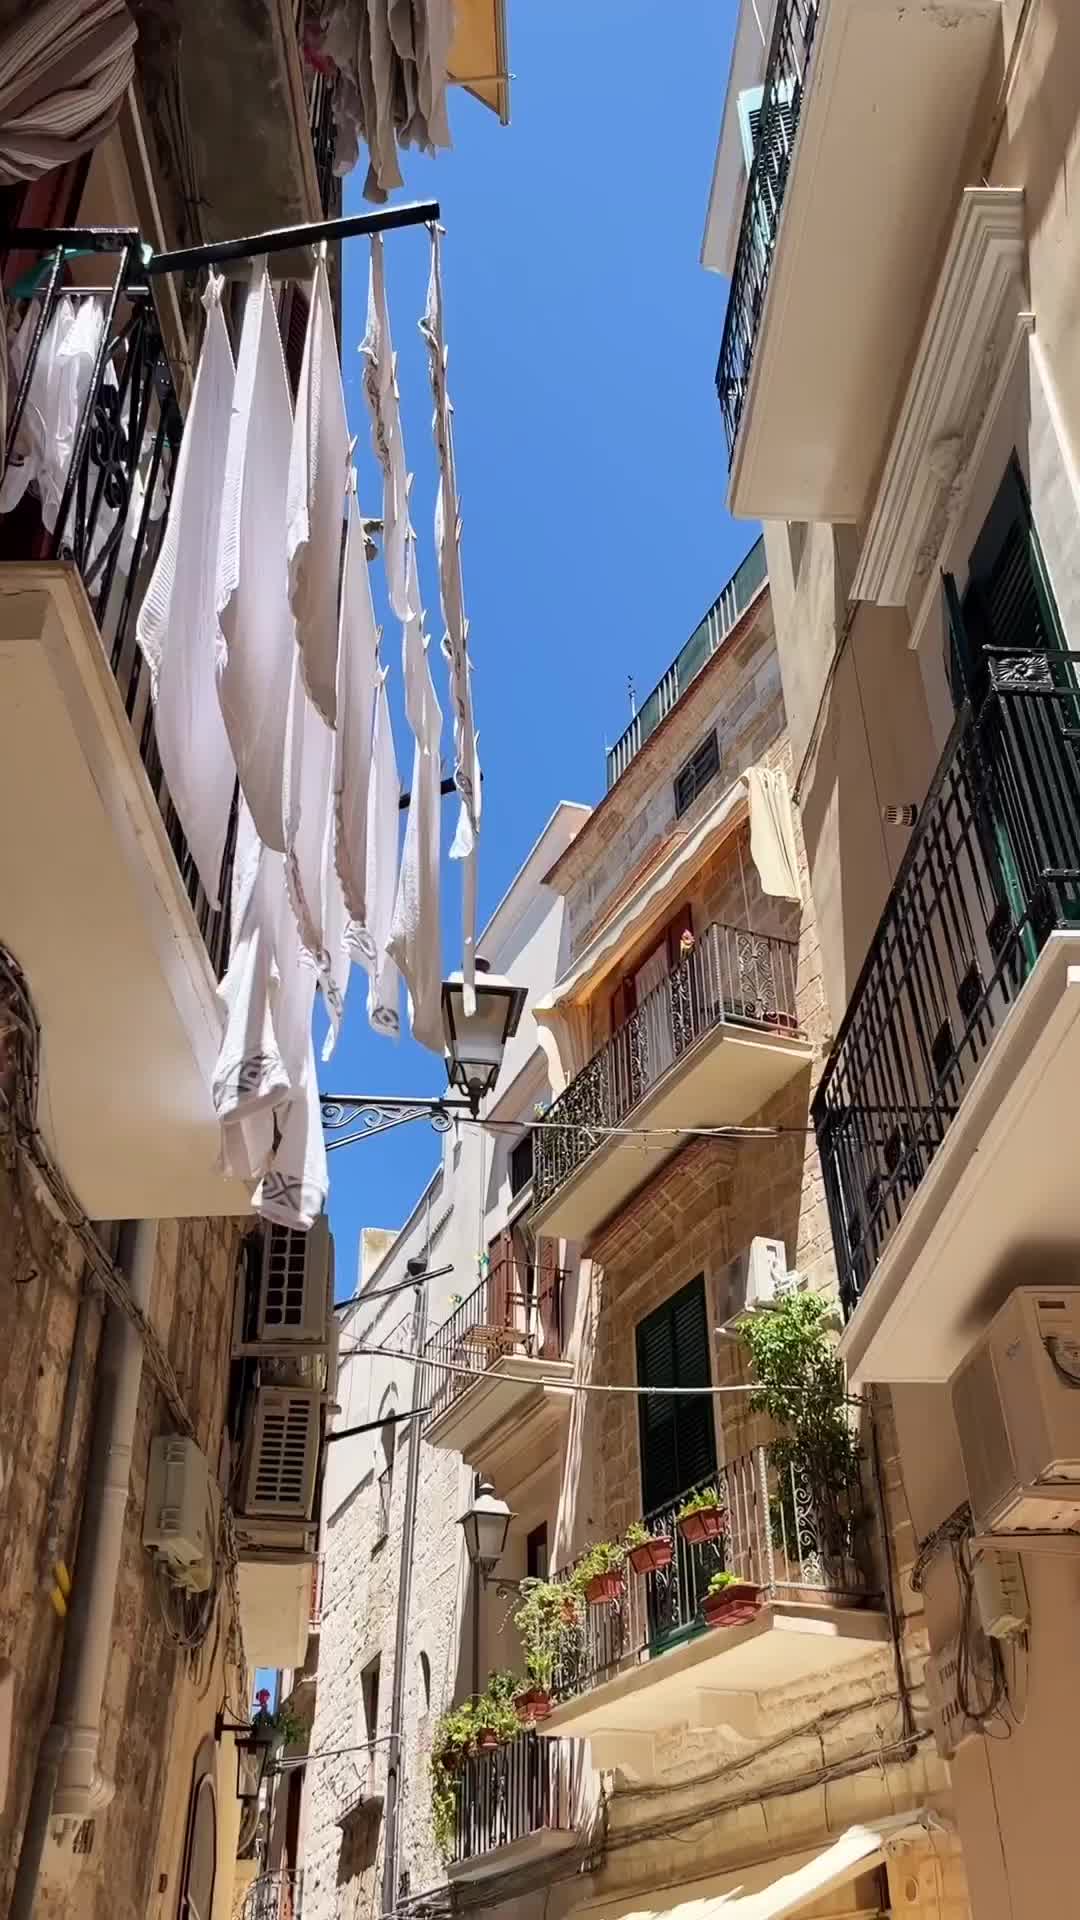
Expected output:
(274, 1896)
(732, 977)
(528, 1786)
(103, 503)
(324, 141)
(516, 1309)
(777, 1533)
(992, 868)
(786, 74)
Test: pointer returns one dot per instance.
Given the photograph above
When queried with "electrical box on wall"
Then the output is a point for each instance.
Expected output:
(181, 1514)
(951, 1724)
(1001, 1593)
(754, 1279)
(1016, 1400)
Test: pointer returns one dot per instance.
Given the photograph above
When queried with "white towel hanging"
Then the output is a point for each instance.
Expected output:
(358, 666)
(369, 941)
(416, 936)
(318, 468)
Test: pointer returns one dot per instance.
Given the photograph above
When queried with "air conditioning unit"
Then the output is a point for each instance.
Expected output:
(753, 1280)
(295, 1285)
(950, 1723)
(284, 1454)
(182, 1511)
(1016, 1400)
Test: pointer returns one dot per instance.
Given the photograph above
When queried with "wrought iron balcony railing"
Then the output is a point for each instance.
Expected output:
(784, 86)
(732, 977)
(529, 1786)
(517, 1309)
(274, 1896)
(790, 1540)
(104, 507)
(992, 868)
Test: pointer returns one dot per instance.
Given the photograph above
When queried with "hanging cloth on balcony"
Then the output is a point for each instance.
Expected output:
(255, 666)
(455, 625)
(292, 1192)
(64, 70)
(370, 942)
(177, 626)
(358, 665)
(251, 1076)
(772, 833)
(60, 383)
(415, 941)
(318, 469)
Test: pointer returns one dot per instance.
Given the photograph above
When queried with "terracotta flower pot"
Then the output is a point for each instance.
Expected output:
(453, 1760)
(706, 1524)
(486, 1741)
(731, 1605)
(606, 1586)
(652, 1555)
(532, 1706)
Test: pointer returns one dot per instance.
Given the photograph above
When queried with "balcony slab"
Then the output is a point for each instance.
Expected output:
(509, 1419)
(999, 1204)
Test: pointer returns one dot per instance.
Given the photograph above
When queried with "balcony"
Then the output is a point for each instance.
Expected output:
(945, 1114)
(712, 1043)
(274, 1896)
(102, 906)
(866, 118)
(496, 1384)
(648, 1661)
(518, 1804)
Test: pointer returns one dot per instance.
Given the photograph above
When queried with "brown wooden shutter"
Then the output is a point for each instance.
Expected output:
(500, 1278)
(549, 1297)
(294, 321)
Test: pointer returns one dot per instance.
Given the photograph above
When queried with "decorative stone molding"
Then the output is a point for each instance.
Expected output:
(977, 319)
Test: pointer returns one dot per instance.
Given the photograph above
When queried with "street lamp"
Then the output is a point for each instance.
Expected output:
(254, 1745)
(475, 1044)
(485, 1524)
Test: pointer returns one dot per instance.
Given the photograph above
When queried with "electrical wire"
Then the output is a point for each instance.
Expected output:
(563, 1386)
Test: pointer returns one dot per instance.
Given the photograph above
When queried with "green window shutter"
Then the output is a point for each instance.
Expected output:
(677, 1434)
(748, 106)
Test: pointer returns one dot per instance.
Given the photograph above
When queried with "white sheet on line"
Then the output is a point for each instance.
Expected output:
(358, 665)
(772, 832)
(177, 627)
(318, 467)
(292, 1192)
(455, 625)
(416, 935)
(251, 1076)
(369, 942)
(381, 394)
(252, 589)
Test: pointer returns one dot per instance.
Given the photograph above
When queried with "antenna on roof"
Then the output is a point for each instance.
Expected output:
(632, 691)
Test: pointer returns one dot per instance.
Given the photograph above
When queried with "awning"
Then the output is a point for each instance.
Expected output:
(785, 1886)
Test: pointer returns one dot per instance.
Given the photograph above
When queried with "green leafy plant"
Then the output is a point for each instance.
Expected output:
(494, 1711)
(282, 1727)
(453, 1737)
(548, 1617)
(722, 1580)
(638, 1536)
(702, 1501)
(604, 1556)
(801, 1386)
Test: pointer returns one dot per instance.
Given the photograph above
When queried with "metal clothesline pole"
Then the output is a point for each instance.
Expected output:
(412, 213)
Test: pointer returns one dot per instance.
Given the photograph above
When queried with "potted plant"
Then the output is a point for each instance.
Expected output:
(281, 1728)
(599, 1573)
(647, 1552)
(729, 1600)
(548, 1620)
(495, 1714)
(701, 1517)
(450, 1746)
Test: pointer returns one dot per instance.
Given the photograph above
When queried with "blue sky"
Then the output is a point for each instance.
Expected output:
(583, 335)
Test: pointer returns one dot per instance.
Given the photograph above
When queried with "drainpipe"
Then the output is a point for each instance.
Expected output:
(67, 1783)
(417, 1268)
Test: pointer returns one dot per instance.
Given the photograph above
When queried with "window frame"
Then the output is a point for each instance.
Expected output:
(709, 745)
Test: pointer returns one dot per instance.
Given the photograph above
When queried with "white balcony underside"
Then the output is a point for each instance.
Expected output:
(724, 1078)
(715, 1678)
(541, 1845)
(999, 1206)
(93, 908)
(509, 1422)
(883, 135)
(275, 1610)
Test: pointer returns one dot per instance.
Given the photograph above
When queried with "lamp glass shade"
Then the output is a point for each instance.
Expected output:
(476, 1042)
(485, 1524)
(251, 1758)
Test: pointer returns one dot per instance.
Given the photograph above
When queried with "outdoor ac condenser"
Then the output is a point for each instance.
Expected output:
(295, 1284)
(1016, 1400)
(284, 1452)
(753, 1280)
(182, 1510)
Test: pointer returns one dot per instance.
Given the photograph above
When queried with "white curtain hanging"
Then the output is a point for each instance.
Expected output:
(772, 832)
(177, 626)
(64, 71)
(455, 625)
(318, 470)
(358, 666)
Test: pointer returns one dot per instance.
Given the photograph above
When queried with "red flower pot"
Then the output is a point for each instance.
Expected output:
(732, 1605)
(706, 1524)
(532, 1706)
(453, 1760)
(486, 1741)
(652, 1555)
(606, 1586)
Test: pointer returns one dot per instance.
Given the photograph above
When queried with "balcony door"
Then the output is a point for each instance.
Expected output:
(642, 1022)
(677, 1436)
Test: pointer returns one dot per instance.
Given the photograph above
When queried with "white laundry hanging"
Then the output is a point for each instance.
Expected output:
(314, 889)
(456, 627)
(772, 832)
(381, 394)
(255, 672)
(177, 626)
(318, 469)
(415, 935)
(358, 663)
(250, 1076)
(292, 1192)
(55, 400)
(370, 941)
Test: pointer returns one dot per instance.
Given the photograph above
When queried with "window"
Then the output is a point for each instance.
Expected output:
(692, 779)
(521, 1162)
(425, 1682)
(536, 1553)
(677, 1435)
(385, 1482)
(200, 1846)
(369, 1694)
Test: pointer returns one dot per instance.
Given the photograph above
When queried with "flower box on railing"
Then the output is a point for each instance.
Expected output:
(652, 1556)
